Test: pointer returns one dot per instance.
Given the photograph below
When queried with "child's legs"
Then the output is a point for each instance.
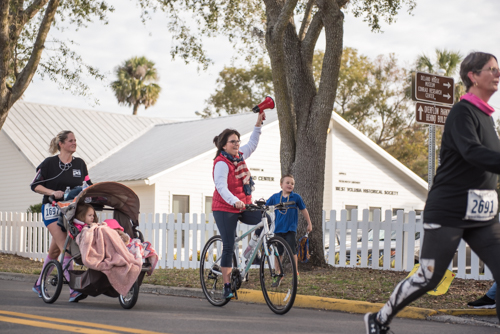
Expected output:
(438, 249)
(291, 239)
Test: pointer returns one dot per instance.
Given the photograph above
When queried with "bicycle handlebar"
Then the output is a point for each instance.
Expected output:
(52, 200)
(261, 206)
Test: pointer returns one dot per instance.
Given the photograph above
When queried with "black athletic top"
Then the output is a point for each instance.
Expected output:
(55, 175)
(470, 159)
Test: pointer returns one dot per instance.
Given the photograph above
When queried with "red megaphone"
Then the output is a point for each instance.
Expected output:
(268, 103)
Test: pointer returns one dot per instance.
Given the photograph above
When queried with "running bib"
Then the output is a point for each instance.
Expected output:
(482, 205)
(50, 212)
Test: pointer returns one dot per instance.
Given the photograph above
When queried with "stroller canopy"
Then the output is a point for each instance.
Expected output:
(112, 194)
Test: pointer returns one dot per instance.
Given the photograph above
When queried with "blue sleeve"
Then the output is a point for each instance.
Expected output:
(300, 203)
(272, 200)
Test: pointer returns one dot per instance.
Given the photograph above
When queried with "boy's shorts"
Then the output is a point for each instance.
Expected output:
(291, 239)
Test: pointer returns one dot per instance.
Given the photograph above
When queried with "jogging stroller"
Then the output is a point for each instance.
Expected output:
(104, 196)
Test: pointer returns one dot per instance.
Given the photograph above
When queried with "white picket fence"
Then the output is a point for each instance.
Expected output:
(178, 243)
(406, 231)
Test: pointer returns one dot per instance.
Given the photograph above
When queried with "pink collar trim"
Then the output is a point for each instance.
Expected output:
(485, 107)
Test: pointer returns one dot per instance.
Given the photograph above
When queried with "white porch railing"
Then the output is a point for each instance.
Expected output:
(178, 243)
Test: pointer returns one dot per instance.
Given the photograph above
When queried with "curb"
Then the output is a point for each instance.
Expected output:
(350, 306)
(302, 301)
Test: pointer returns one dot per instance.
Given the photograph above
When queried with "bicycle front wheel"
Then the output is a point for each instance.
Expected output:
(278, 276)
(52, 281)
(212, 283)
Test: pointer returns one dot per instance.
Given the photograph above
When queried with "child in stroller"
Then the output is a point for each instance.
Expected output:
(119, 279)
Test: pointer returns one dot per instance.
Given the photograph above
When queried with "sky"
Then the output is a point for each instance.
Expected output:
(451, 24)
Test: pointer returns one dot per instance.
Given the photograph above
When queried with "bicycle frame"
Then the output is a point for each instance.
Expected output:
(267, 231)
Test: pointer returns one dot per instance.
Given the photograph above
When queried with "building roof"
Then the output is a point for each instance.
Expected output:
(167, 145)
(119, 147)
(31, 126)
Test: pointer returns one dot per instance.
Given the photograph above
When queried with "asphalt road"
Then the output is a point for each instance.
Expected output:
(21, 311)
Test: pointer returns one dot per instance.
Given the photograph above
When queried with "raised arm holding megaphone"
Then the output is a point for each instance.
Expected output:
(268, 103)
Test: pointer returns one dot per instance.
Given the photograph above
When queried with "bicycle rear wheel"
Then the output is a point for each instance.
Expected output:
(212, 283)
(278, 276)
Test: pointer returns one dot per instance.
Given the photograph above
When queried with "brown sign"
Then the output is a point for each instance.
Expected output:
(433, 88)
(431, 114)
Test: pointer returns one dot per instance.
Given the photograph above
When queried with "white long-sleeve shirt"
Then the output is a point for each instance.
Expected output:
(221, 170)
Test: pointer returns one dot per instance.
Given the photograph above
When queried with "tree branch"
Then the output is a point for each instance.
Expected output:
(29, 70)
(33, 9)
(333, 20)
(311, 37)
(283, 19)
(4, 50)
(306, 20)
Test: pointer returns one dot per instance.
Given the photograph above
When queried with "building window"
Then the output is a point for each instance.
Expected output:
(208, 207)
(180, 204)
(349, 209)
(395, 211)
(372, 212)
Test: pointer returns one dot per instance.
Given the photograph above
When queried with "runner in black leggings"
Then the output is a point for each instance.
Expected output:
(462, 203)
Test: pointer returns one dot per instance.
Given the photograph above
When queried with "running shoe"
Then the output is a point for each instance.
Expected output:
(483, 302)
(37, 289)
(228, 293)
(75, 296)
(373, 326)
(276, 281)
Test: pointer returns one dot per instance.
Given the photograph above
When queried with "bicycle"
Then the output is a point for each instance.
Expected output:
(277, 272)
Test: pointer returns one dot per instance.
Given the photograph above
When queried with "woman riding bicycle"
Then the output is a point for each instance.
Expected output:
(233, 189)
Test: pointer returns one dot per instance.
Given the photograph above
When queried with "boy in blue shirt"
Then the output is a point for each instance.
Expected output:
(286, 221)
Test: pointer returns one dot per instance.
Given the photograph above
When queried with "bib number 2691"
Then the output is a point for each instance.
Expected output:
(482, 205)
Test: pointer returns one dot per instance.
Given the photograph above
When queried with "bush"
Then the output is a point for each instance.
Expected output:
(35, 208)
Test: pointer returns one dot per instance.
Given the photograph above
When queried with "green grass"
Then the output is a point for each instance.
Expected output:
(344, 283)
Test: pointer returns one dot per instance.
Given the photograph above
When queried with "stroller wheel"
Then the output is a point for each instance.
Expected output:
(52, 281)
(128, 301)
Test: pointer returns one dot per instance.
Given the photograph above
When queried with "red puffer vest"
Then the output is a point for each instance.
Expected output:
(234, 185)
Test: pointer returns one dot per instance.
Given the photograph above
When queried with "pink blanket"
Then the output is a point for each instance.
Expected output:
(102, 249)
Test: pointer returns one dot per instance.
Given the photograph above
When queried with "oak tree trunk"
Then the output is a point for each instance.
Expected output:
(304, 112)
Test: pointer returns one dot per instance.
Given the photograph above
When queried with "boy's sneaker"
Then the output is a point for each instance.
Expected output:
(276, 281)
(228, 293)
(483, 302)
(75, 296)
(373, 326)
(37, 288)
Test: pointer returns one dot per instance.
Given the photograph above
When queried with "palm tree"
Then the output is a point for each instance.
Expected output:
(446, 60)
(136, 83)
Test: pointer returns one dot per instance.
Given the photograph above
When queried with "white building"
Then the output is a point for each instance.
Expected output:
(169, 165)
